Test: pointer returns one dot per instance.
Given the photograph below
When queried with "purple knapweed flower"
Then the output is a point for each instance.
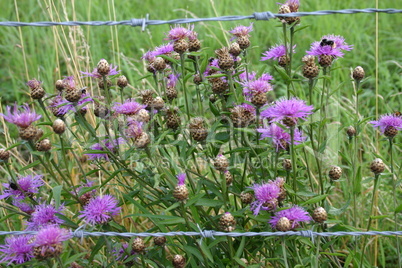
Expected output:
(280, 138)
(292, 109)
(266, 195)
(295, 215)
(48, 241)
(256, 86)
(241, 31)
(24, 207)
(149, 56)
(122, 253)
(335, 49)
(292, 4)
(60, 106)
(25, 186)
(33, 84)
(44, 215)
(16, 250)
(22, 118)
(134, 128)
(181, 178)
(96, 74)
(163, 50)
(178, 33)
(100, 210)
(129, 107)
(276, 52)
(107, 146)
(172, 80)
(389, 124)
(69, 82)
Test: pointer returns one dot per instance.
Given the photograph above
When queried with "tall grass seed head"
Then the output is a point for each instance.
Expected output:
(320, 215)
(377, 166)
(227, 222)
(48, 242)
(335, 173)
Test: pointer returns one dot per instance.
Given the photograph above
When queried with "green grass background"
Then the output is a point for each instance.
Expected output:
(124, 45)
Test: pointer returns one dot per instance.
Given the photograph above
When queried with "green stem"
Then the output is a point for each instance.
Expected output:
(285, 258)
(395, 180)
(44, 109)
(293, 155)
(183, 74)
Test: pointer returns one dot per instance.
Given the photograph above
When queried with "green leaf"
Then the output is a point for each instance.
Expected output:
(57, 194)
(379, 217)
(209, 202)
(338, 211)
(99, 245)
(314, 200)
(33, 164)
(398, 209)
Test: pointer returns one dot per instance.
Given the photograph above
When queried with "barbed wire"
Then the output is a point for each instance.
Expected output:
(144, 22)
(80, 233)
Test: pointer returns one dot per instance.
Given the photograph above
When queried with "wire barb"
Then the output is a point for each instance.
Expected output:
(144, 22)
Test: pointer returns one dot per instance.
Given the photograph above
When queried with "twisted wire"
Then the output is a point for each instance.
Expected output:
(144, 22)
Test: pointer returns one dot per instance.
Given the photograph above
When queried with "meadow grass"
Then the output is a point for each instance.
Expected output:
(143, 180)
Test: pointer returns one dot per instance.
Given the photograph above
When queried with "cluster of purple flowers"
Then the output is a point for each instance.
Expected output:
(253, 85)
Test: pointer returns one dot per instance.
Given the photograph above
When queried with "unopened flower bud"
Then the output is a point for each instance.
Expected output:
(59, 126)
(103, 67)
(377, 166)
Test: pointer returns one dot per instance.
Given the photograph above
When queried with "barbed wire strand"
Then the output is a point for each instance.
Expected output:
(80, 233)
(144, 22)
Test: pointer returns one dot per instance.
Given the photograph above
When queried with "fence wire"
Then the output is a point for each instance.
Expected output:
(144, 22)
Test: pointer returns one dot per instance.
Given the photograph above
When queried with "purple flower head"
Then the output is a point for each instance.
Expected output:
(129, 107)
(192, 35)
(293, 5)
(242, 30)
(22, 118)
(294, 214)
(50, 238)
(276, 52)
(34, 84)
(181, 178)
(122, 253)
(16, 250)
(27, 185)
(24, 207)
(279, 137)
(387, 121)
(134, 129)
(96, 74)
(149, 56)
(163, 50)
(44, 215)
(178, 33)
(100, 210)
(260, 85)
(283, 108)
(319, 48)
(105, 145)
(172, 80)
(266, 195)
(61, 106)
(248, 108)
(69, 82)
(214, 63)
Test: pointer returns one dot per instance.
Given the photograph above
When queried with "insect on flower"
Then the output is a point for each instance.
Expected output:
(327, 42)
(397, 113)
